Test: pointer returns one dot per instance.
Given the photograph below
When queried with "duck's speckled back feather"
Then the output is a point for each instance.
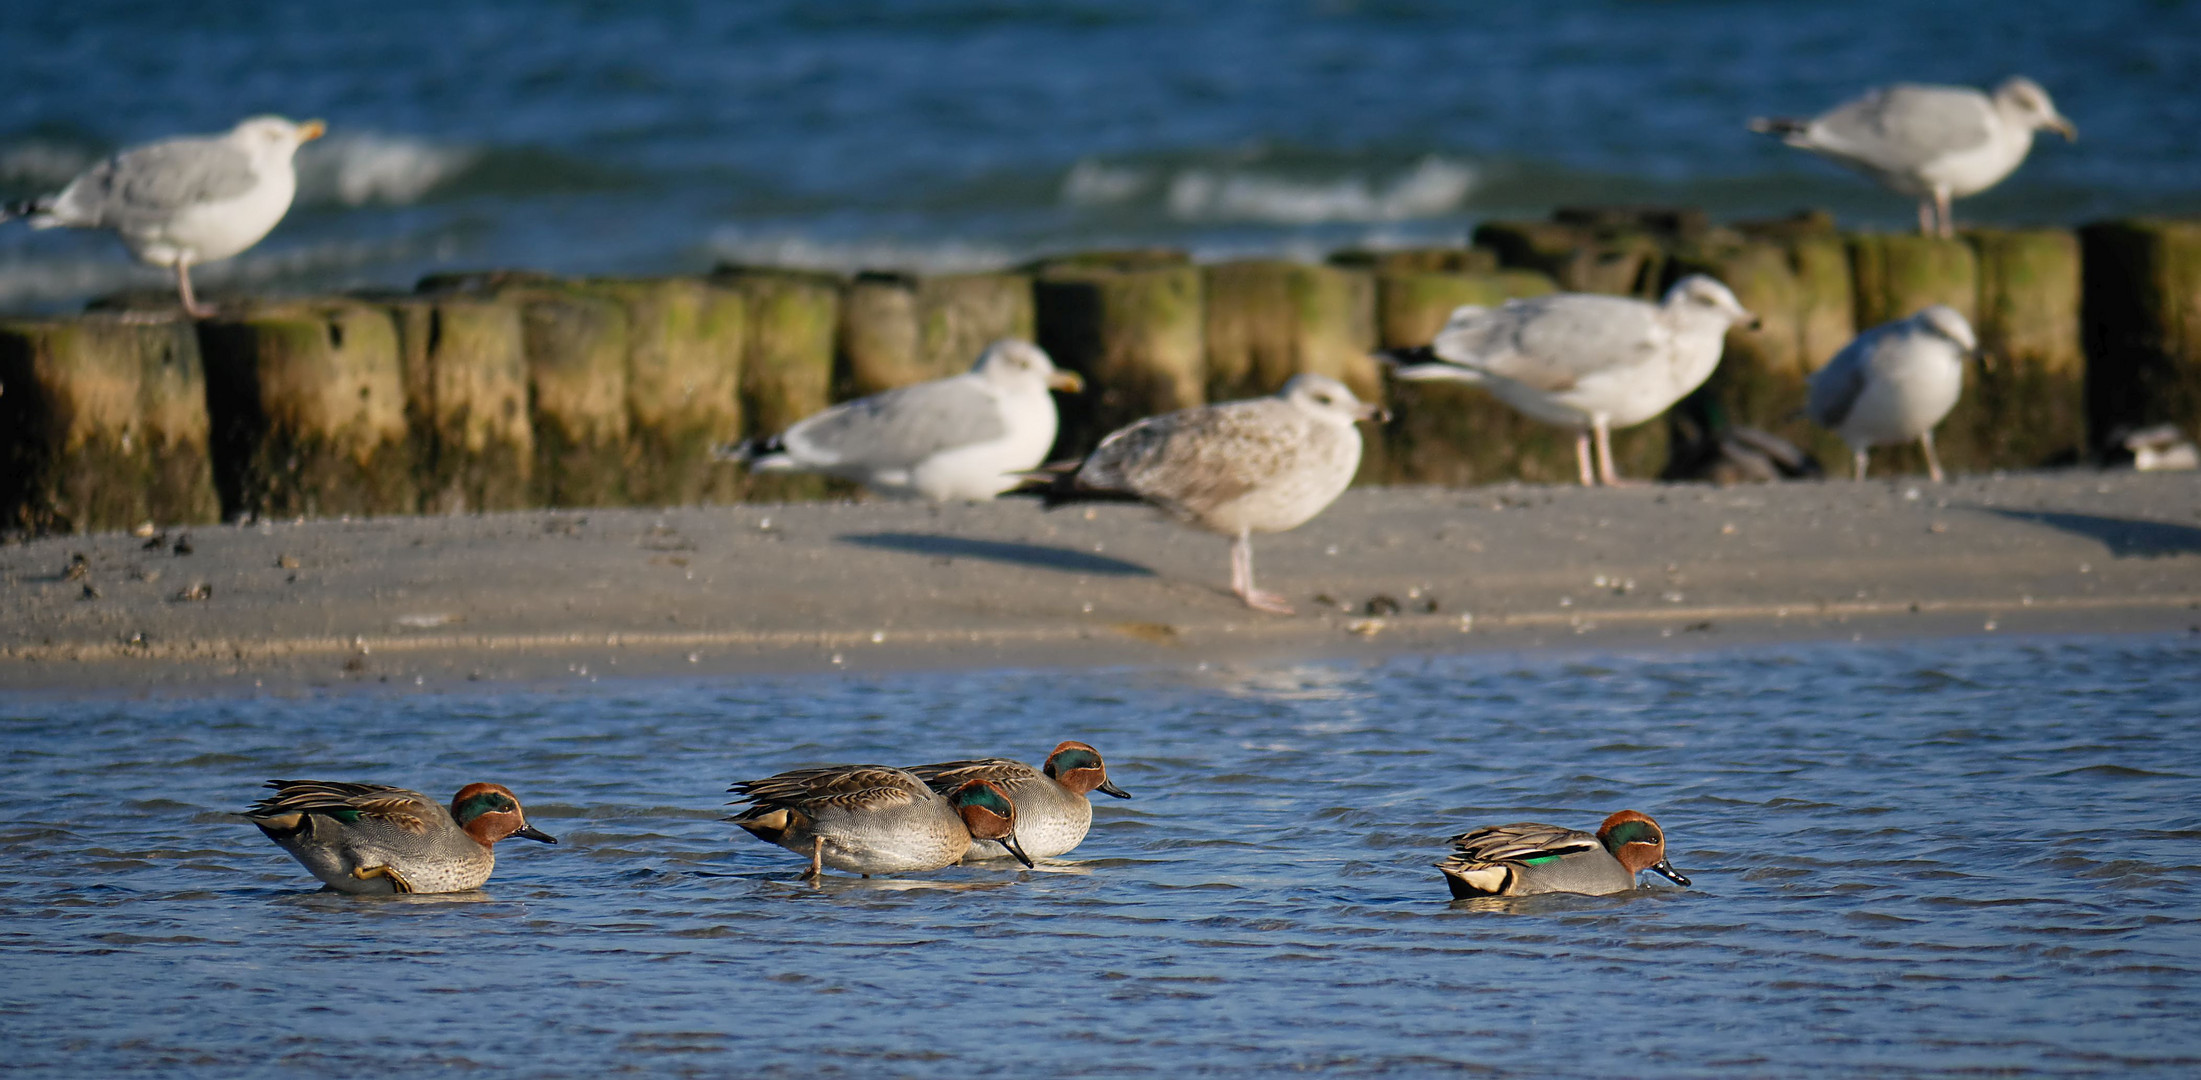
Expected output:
(408, 811)
(848, 787)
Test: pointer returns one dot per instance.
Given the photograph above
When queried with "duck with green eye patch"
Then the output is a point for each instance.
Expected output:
(372, 839)
(874, 819)
(1053, 812)
(1528, 858)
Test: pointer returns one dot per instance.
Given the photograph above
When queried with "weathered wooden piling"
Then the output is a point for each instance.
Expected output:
(1134, 327)
(1270, 319)
(466, 403)
(1896, 274)
(787, 361)
(102, 425)
(898, 329)
(2024, 402)
(2142, 314)
(307, 405)
(686, 340)
(575, 341)
(1621, 257)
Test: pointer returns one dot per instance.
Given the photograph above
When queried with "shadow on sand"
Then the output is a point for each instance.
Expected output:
(1001, 551)
(2125, 537)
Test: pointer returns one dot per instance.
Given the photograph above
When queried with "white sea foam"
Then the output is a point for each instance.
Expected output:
(1432, 187)
(844, 256)
(357, 168)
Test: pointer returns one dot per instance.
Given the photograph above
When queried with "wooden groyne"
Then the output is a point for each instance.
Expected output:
(507, 390)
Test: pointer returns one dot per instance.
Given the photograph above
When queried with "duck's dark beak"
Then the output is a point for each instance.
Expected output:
(1110, 787)
(1666, 870)
(1015, 849)
(532, 833)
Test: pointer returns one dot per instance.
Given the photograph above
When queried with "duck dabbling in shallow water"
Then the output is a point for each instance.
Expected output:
(372, 839)
(1528, 858)
(1053, 813)
(874, 819)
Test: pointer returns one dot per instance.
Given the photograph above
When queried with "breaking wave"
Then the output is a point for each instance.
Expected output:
(363, 168)
(1431, 187)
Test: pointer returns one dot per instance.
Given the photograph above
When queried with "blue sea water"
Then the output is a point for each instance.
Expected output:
(941, 134)
(1960, 857)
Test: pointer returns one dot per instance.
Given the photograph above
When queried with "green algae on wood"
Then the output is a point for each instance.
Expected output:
(787, 362)
(686, 343)
(466, 401)
(103, 425)
(1136, 334)
(307, 405)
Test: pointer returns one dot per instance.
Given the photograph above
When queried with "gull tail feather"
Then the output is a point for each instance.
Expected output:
(760, 455)
(1780, 127)
(1056, 484)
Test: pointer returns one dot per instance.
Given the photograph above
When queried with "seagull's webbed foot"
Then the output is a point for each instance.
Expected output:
(1264, 600)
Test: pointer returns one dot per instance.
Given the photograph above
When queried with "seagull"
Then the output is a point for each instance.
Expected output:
(970, 436)
(186, 200)
(1241, 467)
(1933, 143)
(1894, 383)
(1592, 363)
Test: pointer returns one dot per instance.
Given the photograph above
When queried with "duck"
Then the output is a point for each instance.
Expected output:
(377, 840)
(1053, 813)
(1528, 858)
(875, 819)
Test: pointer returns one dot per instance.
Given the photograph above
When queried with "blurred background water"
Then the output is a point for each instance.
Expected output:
(1961, 857)
(659, 137)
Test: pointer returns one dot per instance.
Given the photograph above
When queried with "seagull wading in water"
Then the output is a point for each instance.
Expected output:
(970, 436)
(1932, 143)
(1238, 468)
(1583, 361)
(179, 202)
(1894, 383)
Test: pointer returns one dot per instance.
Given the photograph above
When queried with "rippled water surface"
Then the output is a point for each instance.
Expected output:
(1956, 857)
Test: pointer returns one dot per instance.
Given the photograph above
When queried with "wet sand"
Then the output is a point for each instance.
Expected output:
(587, 594)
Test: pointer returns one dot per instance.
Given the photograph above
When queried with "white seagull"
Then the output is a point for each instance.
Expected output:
(1241, 467)
(1932, 143)
(184, 201)
(1584, 361)
(1894, 383)
(970, 436)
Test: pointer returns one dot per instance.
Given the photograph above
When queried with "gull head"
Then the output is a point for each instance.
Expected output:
(1328, 399)
(273, 136)
(1701, 295)
(1942, 320)
(1012, 360)
(2024, 98)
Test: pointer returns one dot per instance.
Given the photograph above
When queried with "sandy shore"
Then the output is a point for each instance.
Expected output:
(585, 594)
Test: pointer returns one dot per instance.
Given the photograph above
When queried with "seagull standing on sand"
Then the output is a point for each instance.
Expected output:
(1932, 143)
(970, 436)
(1238, 468)
(1588, 362)
(184, 201)
(1894, 383)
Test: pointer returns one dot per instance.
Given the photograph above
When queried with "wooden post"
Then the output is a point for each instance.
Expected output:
(897, 329)
(576, 345)
(787, 362)
(685, 343)
(2024, 402)
(102, 425)
(466, 402)
(307, 402)
(2142, 314)
(1135, 330)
